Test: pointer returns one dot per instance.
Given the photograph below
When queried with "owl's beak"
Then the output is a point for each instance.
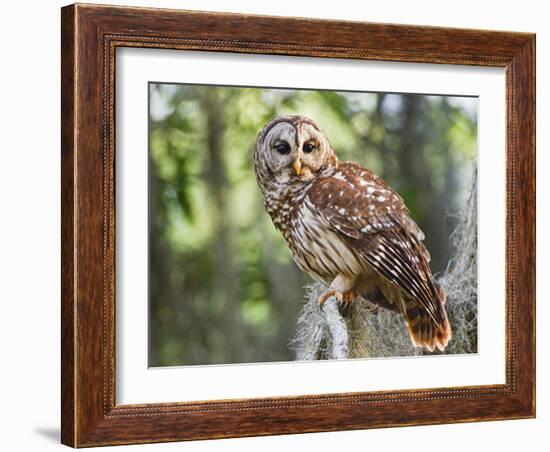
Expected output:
(297, 166)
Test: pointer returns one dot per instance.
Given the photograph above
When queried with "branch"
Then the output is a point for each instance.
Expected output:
(337, 329)
(322, 331)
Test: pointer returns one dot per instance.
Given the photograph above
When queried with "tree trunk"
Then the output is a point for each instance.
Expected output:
(225, 272)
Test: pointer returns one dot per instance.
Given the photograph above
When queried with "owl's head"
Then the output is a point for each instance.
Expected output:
(292, 148)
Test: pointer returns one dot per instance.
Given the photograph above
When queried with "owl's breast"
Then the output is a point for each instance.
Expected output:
(316, 247)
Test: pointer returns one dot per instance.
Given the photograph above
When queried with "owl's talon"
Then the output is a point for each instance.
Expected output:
(343, 308)
(344, 305)
(344, 299)
(327, 294)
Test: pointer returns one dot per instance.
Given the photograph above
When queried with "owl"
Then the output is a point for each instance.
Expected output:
(347, 228)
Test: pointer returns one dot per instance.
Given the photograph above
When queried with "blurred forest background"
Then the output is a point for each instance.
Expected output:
(222, 285)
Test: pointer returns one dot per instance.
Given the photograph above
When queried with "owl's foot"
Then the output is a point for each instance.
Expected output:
(345, 299)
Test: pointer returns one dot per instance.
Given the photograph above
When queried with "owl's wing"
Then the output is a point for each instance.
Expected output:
(373, 219)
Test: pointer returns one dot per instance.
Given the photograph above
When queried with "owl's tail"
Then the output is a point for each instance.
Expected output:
(423, 329)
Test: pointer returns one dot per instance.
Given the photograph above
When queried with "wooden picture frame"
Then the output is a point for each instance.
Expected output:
(90, 36)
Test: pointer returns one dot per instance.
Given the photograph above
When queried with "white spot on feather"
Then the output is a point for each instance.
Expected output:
(340, 176)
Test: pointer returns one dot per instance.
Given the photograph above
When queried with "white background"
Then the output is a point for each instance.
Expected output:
(30, 225)
(135, 383)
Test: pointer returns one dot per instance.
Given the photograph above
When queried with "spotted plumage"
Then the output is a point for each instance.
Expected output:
(347, 228)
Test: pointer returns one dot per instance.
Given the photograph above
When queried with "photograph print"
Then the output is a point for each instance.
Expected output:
(299, 225)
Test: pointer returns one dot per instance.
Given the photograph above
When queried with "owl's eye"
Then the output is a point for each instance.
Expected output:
(282, 148)
(308, 147)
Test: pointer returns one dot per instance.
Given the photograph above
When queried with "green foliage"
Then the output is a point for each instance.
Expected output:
(223, 287)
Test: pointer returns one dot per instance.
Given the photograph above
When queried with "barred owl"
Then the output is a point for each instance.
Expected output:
(347, 228)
